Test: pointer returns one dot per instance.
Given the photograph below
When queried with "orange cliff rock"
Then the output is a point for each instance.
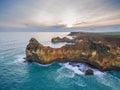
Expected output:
(87, 51)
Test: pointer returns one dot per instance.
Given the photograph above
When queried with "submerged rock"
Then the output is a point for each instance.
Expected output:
(89, 72)
(104, 56)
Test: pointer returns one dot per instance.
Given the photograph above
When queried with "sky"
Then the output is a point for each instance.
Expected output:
(65, 14)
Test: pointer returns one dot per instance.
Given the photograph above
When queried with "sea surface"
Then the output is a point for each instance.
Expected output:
(15, 74)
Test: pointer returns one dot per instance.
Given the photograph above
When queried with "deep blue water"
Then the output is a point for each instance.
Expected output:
(15, 74)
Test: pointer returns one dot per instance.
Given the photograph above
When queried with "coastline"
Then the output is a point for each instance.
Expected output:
(85, 39)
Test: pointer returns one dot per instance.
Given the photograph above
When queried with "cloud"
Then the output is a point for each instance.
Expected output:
(73, 13)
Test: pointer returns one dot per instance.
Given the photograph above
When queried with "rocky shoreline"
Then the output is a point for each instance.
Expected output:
(100, 51)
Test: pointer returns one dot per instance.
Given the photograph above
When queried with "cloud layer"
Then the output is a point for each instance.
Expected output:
(68, 13)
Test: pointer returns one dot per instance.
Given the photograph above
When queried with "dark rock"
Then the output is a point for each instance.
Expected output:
(24, 58)
(89, 72)
(24, 61)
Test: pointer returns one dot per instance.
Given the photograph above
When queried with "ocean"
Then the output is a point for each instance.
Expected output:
(15, 74)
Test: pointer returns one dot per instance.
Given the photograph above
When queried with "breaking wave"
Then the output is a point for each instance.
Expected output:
(80, 68)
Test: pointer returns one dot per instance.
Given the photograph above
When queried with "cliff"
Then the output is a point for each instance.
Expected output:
(99, 53)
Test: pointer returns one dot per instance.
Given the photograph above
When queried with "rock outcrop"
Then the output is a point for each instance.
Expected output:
(64, 39)
(102, 55)
(89, 72)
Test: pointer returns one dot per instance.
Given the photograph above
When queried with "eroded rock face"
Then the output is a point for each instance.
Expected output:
(99, 55)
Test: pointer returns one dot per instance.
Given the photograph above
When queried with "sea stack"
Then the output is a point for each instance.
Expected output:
(101, 53)
(89, 72)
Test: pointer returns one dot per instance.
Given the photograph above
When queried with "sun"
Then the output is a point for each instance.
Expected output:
(69, 21)
(69, 24)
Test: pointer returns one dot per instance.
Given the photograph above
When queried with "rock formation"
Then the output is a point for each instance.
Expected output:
(64, 39)
(97, 52)
(89, 72)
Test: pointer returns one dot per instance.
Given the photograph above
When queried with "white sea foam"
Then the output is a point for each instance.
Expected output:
(80, 68)
(19, 59)
(68, 70)
(73, 68)
(80, 82)
(65, 72)
(109, 80)
(43, 65)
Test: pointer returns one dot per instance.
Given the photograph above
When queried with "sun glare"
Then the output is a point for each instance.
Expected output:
(69, 24)
(69, 20)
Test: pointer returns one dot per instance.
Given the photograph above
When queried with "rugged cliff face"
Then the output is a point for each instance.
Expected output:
(102, 55)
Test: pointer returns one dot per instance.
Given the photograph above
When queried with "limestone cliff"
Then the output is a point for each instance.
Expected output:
(104, 56)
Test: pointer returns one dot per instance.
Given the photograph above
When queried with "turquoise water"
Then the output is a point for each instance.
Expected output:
(15, 74)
